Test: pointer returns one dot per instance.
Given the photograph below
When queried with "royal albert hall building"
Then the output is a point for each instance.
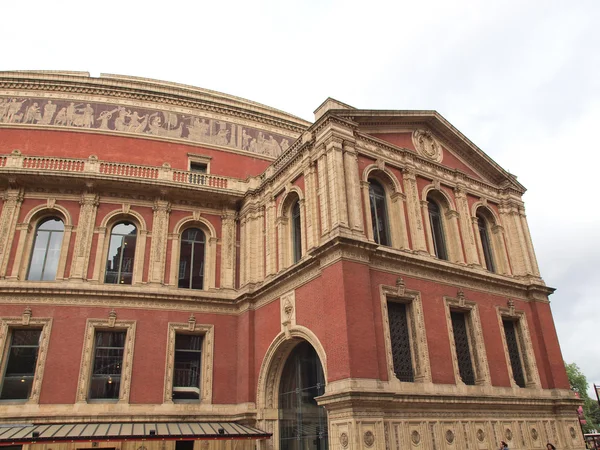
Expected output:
(182, 269)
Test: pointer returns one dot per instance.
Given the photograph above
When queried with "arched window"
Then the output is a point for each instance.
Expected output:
(486, 244)
(191, 259)
(303, 423)
(121, 254)
(296, 232)
(46, 250)
(379, 217)
(437, 229)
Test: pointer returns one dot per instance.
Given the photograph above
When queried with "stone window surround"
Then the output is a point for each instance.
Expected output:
(27, 232)
(475, 336)
(395, 199)
(210, 249)
(284, 225)
(104, 234)
(87, 357)
(528, 361)
(449, 215)
(26, 321)
(208, 345)
(495, 236)
(419, 349)
(197, 158)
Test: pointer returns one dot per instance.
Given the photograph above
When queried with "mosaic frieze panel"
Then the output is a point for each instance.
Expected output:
(141, 121)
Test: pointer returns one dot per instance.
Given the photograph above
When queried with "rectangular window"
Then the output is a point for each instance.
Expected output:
(109, 347)
(514, 352)
(463, 348)
(400, 339)
(20, 367)
(197, 167)
(187, 367)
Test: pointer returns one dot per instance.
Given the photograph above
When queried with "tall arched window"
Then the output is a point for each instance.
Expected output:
(379, 217)
(121, 254)
(437, 229)
(303, 423)
(46, 250)
(191, 259)
(486, 244)
(296, 226)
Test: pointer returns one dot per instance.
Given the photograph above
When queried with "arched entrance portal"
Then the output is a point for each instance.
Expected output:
(302, 423)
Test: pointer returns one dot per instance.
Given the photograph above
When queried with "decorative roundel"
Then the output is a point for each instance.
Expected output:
(344, 440)
(449, 436)
(369, 438)
(426, 145)
(480, 435)
(572, 432)
(534, 434)
(415, 437)
(508, 434)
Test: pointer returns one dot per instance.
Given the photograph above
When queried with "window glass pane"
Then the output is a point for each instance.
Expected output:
(121, 254)
(485, 243)
(437, 229)
(46, 250)
(514, 352)
(108, 362)
(379, 216)
(296, 232)
(191, 259)
(21, 365)
(302, 424)
(187, 367)
(463, 351)
(399, 335)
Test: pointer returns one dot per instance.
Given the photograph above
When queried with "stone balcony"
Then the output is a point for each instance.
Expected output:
(94, 169)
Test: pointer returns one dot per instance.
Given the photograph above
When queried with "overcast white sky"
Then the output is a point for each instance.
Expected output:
(519, 78)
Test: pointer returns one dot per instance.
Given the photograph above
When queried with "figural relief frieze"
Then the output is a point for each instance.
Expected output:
(141, 121)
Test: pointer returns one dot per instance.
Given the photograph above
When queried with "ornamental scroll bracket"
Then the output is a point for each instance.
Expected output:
(26, 316)
(112, 318)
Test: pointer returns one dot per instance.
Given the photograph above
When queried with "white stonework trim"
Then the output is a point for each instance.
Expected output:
(208, 347)
(284, 227)
(210, 250)
(528, 361)
(197, 158)
(45, 324)
(475, 336)
(418, 338)
(87, 357)
(104, 232)
(27, 232)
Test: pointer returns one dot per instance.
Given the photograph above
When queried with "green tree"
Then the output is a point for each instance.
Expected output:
(579, 384)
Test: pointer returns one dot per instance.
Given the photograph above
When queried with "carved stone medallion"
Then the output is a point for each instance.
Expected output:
(534, 434)
(426, 145)
(480, 435)
(415, 437)
(344, 440)
(508, 434)
(449, 436)
(369, 438)
(572, 432)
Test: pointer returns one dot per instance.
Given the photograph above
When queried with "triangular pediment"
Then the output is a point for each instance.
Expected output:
(430, 136)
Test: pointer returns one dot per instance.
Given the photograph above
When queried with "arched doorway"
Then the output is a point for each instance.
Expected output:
(302, 423)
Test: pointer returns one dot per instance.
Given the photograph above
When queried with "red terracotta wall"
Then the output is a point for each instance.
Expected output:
(133, 150)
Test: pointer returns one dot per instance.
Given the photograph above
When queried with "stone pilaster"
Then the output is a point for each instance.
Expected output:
(243, 251)
(452, 235)
(466, 227)
(311, 205)
(337, 185)
(270, 236)
(158, 249)
(415, 219)
(516, 244)
(398, 227)
(364, 187)
(323, 194)
(13, 198)
(352, 179)
(85, 232)
(228, 249)
(527, 236)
